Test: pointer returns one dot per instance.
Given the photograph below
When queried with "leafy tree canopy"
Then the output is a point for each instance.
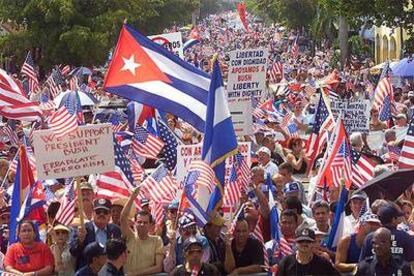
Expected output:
(83, 31)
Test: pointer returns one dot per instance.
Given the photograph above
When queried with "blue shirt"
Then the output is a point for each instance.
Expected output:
(100, 235)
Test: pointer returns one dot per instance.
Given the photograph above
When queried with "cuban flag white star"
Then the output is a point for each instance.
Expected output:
(130, 64)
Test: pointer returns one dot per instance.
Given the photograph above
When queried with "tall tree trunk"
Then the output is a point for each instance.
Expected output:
(343, 40)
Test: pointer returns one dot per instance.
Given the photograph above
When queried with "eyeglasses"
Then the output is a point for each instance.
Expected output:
(101, 212)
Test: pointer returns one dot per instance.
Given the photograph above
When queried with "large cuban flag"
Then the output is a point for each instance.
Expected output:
(146, 72)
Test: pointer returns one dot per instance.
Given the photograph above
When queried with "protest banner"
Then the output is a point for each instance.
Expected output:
(171, 41)
(241, 115)
(85, 151)
(355, 114)
(188, 153)
(247, 73)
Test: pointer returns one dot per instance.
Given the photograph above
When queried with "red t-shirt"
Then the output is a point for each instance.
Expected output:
(27, 259)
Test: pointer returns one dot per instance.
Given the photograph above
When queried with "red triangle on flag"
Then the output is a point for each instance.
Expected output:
(131, 64)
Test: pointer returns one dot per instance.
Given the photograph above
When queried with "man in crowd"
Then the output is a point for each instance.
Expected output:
(264, 161)
(99, 230)
(356, 202)
(87, 198)
(95, 256)
(145, 251)
(212, 231)
(304, 261)
(116, 253)
(402, 244)
(383, 262)
(320, 212)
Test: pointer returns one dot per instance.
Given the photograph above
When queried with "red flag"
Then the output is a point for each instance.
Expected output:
(241, 8)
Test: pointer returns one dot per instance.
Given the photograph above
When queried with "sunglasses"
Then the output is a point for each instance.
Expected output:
(101, 212)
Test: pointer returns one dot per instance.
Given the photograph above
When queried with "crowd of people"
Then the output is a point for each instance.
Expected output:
(113, 237)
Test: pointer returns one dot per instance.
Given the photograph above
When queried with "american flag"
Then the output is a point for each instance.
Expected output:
(341, 166)
(115, 120)
(118, 183)
(362, 168)
(66, 211)
(257, 234)
(385, 113)
(295, 48)
(309, 90)
(169, 151)
(55, 81)
(62, 122)
(157, 211)
(406, 160)
(292, 130)
(324, 123)
(239, 180)
(65, 70)
(394, 153)
(384, 89)
(160, 186)
(146, 144)
(136, 169)
(277, 69)
(11, 133)
(286, 120)
(46, 104)
(28, 68)
(206, 176)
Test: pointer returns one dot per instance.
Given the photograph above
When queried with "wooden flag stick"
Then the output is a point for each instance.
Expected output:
(80, 203)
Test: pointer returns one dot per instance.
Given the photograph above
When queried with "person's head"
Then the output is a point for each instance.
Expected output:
(368, 223)
(401, 120)
(241, 231)
(193, 251)
(356, 140)
(87, 192)
(116, 213)
(263, 155)
(258, 175)
(4, 165)
(269, 143)
(95, 255)
(61, 234)
(407, 208)
(291, 189)
(102, 212)
(116, 251)
(293, 203)
(288, 223)
(26, 232)
(5, 215)
(305, 238)
(143, 221)
(286, 170)
(172, 210)
(389, 215)
(390, 135)
(374, 114)
(320, 212)
(295, 144)
(213, 227)
(145, 205)
(187, 226)
(357, 200)
(381, 243)
(332, 210)
(377, 204)
(251, 213)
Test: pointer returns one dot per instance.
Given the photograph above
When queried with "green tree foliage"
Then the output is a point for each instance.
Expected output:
(83, 31)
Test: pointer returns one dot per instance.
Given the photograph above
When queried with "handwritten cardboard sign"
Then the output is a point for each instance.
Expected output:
(88, 150)
(355, 114)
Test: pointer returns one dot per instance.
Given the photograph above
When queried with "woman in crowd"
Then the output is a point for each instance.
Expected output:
(296, 156)
(64, 262)
(29, 256)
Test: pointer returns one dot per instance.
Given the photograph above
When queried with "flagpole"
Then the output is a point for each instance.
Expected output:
(8, 169)
(80, 203)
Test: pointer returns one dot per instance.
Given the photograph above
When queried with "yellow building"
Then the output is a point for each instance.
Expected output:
(388, 43)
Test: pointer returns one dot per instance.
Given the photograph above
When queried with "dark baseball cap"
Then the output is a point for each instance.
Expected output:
(359, 195)
(144, 202)
(388, 212)
(305, 234)
(102, 203)
(92, 250)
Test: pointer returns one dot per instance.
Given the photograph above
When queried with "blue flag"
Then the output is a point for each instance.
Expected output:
(219, 137)
(338, 225)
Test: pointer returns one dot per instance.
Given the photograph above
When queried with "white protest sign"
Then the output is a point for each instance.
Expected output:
(88, 150)
(188, 153)
(247, 73)
(355, 114)
(171, 41)
(241, 115)
(375, 139)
